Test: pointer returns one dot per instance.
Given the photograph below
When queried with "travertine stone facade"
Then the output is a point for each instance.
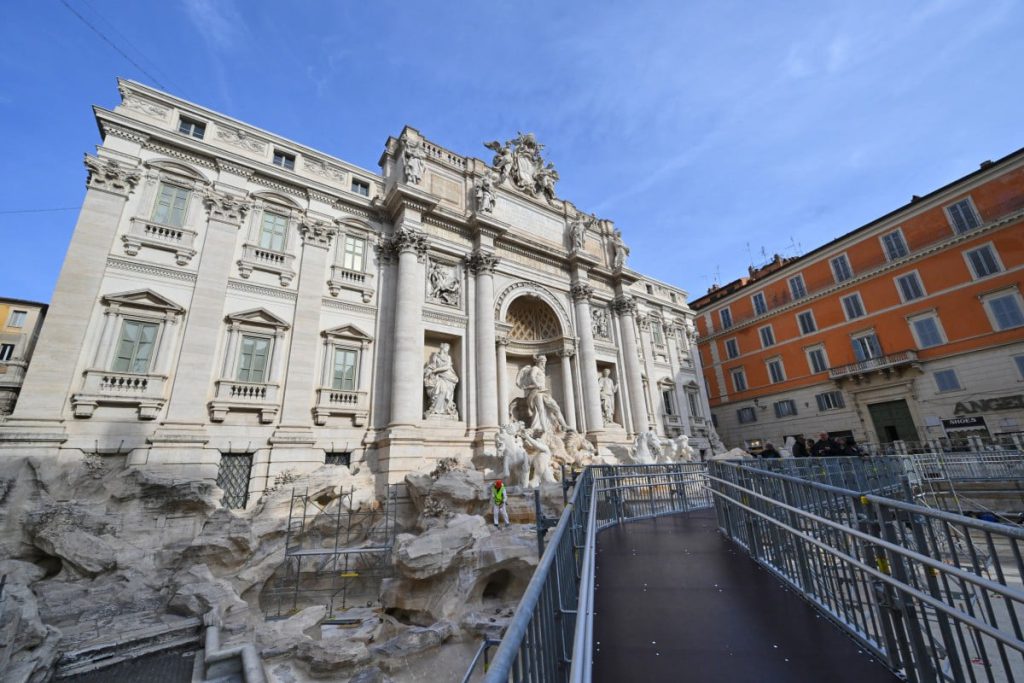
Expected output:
(230, 292)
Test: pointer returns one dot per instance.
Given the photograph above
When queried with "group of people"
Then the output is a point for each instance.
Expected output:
(826, 446)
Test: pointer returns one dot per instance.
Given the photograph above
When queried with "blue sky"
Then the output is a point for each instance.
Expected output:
(698, 127)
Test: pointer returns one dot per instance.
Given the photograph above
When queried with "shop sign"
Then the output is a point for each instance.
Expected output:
(964, 423)
(990, 404)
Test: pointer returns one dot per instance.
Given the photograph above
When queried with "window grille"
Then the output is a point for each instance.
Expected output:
(338, 458)
(233, 477)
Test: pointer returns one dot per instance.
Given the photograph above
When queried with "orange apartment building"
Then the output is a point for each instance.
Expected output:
(908, 329)
(20, 322)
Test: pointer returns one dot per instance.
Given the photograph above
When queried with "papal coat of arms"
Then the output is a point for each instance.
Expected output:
(519, 160)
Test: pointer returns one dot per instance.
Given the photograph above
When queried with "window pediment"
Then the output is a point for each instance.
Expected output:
(177, 168)
(281, 201)
(260, 317)
(350, 332)
(143, 298)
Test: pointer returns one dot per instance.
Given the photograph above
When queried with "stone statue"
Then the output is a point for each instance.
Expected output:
(578, 232)
(579, 451)
(541, 409)
(485, 193)
(599, 322)
(647, 448)
(607, 387)
(520, 453)
(620, 251)
(412, 155)
(546, 179)
(684, 451)
(519, 160)
(444, 284)
(439, 380)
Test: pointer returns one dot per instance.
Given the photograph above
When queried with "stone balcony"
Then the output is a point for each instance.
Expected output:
(355, 280)
(355, 404)
(259, 397)
(146, 233)
(255, 257)
(102, 387)
(887, 365)
(672, 420)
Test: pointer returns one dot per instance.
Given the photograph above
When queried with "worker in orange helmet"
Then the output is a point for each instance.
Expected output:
(498, 503)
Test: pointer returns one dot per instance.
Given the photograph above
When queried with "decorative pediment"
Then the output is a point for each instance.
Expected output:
(176, 168)
(144, 299)
(347, 331)
(666, 382)
(258, 316)
(276, 198)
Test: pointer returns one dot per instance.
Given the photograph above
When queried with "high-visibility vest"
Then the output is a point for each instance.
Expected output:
(499, 494)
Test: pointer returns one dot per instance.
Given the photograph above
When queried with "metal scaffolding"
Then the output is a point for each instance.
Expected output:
(336, 555)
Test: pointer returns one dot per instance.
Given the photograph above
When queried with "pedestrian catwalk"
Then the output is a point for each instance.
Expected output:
(675, 601)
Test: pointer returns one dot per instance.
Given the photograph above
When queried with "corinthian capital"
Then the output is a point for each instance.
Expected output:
(224, 207)
(110, 175)
(624, 305)
(581, 291)
(404, 239)
(316, 232)
(482, 261)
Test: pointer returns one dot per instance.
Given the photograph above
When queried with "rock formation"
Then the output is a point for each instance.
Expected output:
(100, 553)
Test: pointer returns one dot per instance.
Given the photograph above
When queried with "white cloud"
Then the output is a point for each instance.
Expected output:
(218, 21)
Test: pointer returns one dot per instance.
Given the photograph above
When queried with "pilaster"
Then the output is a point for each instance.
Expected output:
(482, 263)
(581, 295)
(625, 306)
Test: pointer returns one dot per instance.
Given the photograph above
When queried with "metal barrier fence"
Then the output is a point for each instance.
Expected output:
(936, 596)
(880, 474)
(968, 467)
(554, 619)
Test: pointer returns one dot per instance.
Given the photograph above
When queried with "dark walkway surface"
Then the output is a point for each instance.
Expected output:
(676, 601)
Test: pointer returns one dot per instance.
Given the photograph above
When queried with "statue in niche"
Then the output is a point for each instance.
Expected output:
(619, 251)
(599, 322)
(412, 155)
(444, 284)
(606, 388)
(578, 232)
(543, 413)
(485, 193)
(439, 380)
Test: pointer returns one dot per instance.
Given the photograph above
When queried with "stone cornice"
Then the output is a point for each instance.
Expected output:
(122, 132)
(111, 176)
(250, 288)
(403, 196)
(152, 269)
(450, 319)
(349, 307)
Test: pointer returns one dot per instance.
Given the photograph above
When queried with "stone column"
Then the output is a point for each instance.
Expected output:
(300, 382)
(581, 294)
(567, 389)
(407, 375)
(502, 380)
(197, 361)
(643, 324)
(50, 376)
(625, 306)
(482, 263)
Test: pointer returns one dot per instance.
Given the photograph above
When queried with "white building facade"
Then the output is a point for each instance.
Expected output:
(234, 299)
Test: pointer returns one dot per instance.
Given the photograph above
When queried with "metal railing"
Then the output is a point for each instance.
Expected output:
(554, 620)
(968, 467)
(881, 474)
(935, 596)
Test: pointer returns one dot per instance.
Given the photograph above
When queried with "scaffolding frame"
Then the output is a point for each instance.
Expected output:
(335, 555)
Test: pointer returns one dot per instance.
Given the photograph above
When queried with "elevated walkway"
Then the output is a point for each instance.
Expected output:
(676, 601)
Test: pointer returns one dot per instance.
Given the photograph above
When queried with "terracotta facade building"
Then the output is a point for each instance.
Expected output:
(908, 329)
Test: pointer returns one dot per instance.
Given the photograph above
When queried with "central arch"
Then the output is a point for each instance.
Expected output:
(517, 290)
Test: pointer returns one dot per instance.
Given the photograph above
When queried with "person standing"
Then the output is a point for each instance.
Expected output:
(825, 447)
(799, 447)
(850, 448)
(499, 501)
(770, 451)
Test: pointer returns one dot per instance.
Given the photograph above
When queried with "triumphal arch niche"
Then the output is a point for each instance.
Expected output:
(308, 309)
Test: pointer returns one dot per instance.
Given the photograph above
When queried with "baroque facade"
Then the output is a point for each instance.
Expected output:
(230, 297)
(908, 330)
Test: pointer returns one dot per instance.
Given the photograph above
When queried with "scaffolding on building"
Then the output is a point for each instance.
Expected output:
(336, 553)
